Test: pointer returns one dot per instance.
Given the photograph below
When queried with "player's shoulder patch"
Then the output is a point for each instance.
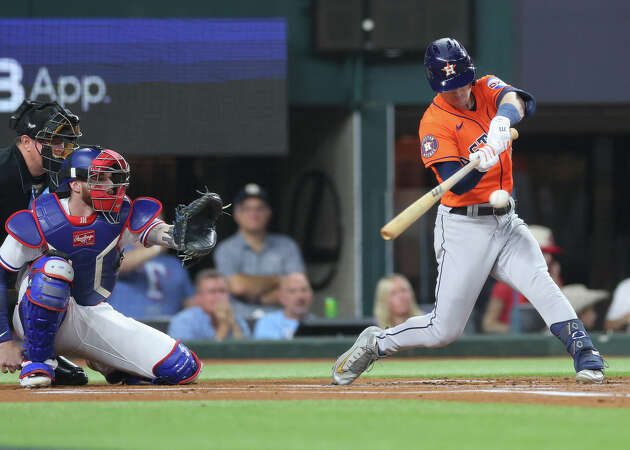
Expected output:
(429, 146)
(495, 83)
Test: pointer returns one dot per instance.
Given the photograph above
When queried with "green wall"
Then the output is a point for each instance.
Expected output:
(349, 81)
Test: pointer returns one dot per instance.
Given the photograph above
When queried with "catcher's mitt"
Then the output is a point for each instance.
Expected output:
(194, 226)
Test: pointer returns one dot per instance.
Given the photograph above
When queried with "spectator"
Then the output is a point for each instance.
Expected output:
(296, 296)
(618, 315)
(583, 301)
(254, 260)
(152, 283)
(499, 311)
(213, 317)
(394, 301)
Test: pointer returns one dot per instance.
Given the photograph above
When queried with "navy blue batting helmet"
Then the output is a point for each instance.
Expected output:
(448, 65)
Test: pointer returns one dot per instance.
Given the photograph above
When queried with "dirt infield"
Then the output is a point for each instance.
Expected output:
(615, 392)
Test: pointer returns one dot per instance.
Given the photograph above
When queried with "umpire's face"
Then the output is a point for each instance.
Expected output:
(252, 215)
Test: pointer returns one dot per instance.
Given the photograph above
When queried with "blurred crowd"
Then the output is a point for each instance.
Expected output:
(259, 288)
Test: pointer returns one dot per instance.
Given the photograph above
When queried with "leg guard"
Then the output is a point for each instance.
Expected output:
(43, 306)
(181, 366)
(578, 344)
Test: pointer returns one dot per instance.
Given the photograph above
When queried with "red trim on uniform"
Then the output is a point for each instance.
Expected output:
(166, 357)
(58, 277)
(196, 374)
(28, 295)
(10, 269)
(37, 223)
(144, 241)
(77, 221)
(42, 371)
(126, 224)
(41, 235)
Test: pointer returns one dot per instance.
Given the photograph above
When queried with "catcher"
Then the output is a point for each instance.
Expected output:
(68, 249)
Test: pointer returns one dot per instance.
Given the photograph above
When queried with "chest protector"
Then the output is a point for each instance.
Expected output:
(92, 247)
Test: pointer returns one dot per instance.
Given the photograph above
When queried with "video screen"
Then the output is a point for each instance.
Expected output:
(158, 87)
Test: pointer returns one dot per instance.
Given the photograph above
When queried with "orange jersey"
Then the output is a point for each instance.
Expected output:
(449, 134)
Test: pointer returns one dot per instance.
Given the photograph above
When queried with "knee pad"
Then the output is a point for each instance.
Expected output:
(181, 366)
(43, 307)
(579, 345)
(50, 279)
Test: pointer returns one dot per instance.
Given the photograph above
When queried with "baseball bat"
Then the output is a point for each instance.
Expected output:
(413, 212)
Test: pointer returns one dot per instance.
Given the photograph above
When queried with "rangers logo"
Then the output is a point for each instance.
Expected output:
(82, 238)
(429, 146)
(449, 69)
(495, 83)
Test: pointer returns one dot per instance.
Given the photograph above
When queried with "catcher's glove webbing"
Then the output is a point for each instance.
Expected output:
(194, 226)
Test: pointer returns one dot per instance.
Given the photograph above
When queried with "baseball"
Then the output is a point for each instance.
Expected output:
(499, 198)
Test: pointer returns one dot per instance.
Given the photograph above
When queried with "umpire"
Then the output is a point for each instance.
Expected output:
(46, 134)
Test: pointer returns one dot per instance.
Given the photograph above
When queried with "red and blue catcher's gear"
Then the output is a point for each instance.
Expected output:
(91, 243)
(181, 366)
(23, 226)
(448, 65)
(42, 310)
(107, 175)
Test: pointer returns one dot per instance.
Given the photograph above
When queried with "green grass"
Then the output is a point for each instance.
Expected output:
(315, 424)
(397, 367)
(326, 424)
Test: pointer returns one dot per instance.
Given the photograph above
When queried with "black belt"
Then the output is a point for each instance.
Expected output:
(482, 210)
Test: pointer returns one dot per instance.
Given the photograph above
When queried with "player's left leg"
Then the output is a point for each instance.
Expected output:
(522, 265)
(41, 311)
(126, 350)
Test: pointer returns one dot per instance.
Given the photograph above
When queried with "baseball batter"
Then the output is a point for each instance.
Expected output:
(68, 249)
(470, 119)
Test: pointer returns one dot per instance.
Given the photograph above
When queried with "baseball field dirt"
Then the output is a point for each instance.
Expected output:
(614, 392)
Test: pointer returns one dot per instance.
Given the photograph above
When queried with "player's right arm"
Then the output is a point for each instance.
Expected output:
(440, 152)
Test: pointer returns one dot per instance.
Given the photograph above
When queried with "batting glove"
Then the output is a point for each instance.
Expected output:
(487, 157)
(499, 133)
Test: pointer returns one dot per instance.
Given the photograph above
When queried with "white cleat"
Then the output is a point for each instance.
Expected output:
(355, 361)
(35, 381)
(590, 376)
(36, 374)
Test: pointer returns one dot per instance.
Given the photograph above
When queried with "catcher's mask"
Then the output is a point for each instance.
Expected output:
(107, 175)
(56, 128)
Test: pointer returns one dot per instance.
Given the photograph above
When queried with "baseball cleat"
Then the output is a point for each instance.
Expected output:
(590, 376)
(37, 374)
(355, 361)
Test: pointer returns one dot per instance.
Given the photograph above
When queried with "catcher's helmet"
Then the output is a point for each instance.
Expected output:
(448, 65)
(106, 173)
(54, 126)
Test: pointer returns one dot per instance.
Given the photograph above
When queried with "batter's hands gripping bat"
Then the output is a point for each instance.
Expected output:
(413, 212)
